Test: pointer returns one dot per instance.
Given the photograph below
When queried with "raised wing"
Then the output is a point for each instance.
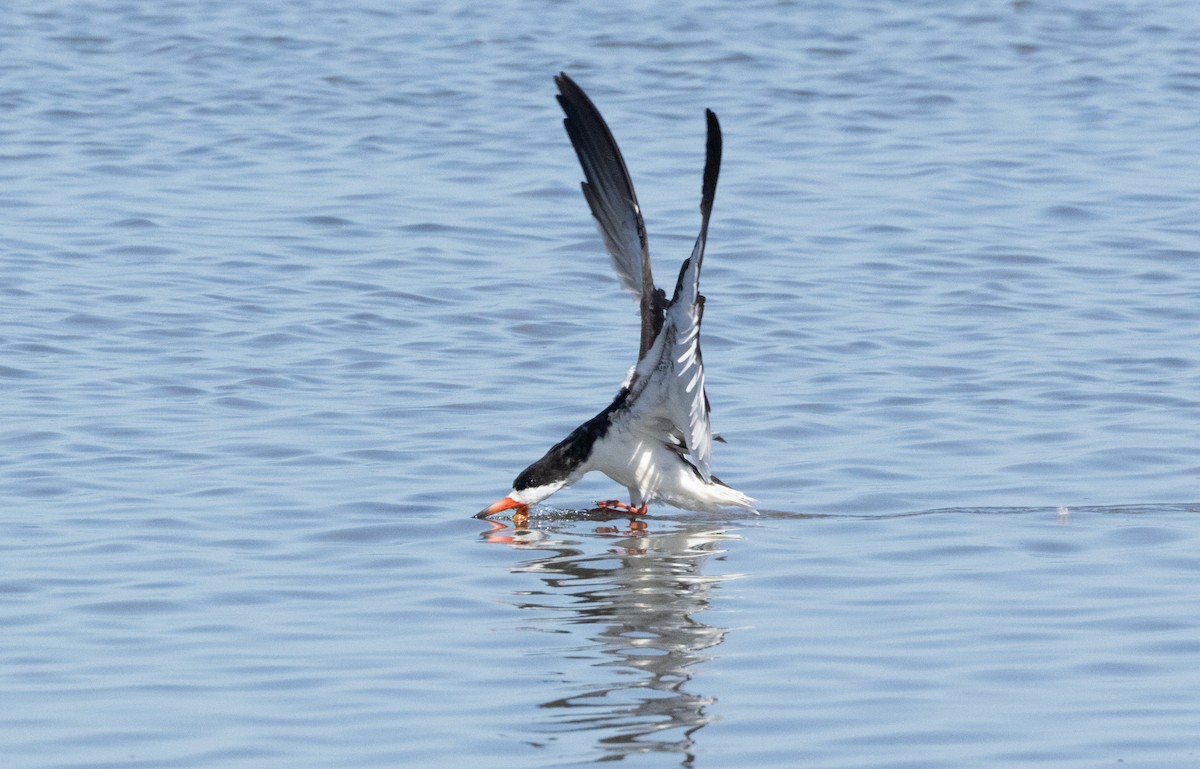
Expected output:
(684, 314)
(674, 397)
(610, 195)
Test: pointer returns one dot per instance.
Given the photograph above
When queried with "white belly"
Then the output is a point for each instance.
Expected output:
(653, 472)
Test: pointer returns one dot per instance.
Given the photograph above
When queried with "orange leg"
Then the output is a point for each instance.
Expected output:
(617, 505)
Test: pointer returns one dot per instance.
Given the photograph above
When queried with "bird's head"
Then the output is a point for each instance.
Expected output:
(531, 486)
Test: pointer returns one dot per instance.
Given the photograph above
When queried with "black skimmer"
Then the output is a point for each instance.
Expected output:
(654, 438)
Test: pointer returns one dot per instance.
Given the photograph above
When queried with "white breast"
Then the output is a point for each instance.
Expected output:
(654, 472)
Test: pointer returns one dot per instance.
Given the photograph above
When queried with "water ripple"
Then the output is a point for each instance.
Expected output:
(293, 290)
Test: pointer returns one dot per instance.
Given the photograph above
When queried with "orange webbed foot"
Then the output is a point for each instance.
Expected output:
(615, 505)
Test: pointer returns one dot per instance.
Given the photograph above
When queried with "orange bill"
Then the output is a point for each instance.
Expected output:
(507, 503)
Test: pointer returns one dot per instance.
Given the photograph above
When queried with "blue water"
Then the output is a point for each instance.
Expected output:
(289, 291)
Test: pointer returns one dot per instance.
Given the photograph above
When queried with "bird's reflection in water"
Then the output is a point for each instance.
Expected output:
(636, 592)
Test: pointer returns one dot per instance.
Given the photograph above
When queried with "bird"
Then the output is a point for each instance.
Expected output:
(655, 438)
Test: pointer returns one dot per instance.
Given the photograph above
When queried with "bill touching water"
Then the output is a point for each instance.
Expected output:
(655, 438)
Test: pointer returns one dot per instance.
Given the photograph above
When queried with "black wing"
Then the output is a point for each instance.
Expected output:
(689, 408)
(609, 193)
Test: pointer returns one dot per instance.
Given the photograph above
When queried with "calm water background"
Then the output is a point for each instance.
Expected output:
(289, 290)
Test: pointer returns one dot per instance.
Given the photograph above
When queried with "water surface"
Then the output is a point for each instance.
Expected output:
(291, 290)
